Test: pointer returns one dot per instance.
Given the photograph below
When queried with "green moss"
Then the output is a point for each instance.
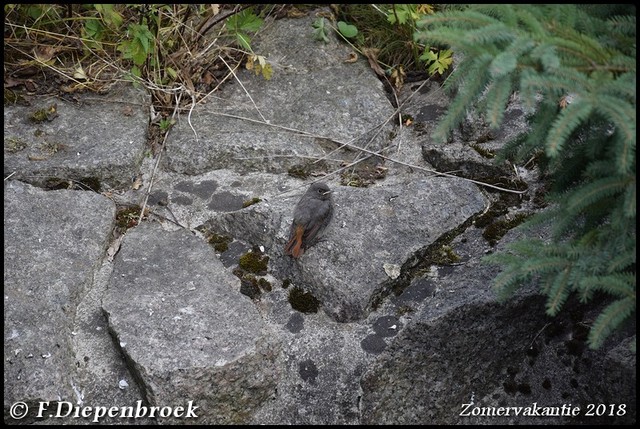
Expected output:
(363, 176)
(219, 242)
(127, 217)
(299, 171)
(254, 262)
(483, 152)
(286, 283)
(265, 284)
(11, 97)
(438, 253)
(497, 209)
(47, 114)
(407, 119)
(445, 255)
(494, 232)
(404, 309)
(249, 286)
(52, 148)
(251, 202)
(13, 145)
(302, 301)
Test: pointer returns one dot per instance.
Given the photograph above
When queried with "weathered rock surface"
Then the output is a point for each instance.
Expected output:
(175, 325)
(185, 329)
(302, 97)
(464, 347)
(53, 244)
(98, 138)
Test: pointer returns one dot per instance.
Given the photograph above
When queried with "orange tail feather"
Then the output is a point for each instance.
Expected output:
(294, 246)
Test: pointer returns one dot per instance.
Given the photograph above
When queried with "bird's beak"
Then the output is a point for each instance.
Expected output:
(325, 193)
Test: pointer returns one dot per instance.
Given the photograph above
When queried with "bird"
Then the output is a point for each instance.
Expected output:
(311, 216)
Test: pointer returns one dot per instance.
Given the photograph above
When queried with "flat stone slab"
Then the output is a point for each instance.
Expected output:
(303, 96)
(378, 226)
(199, 339)
(53, 244)
(372, 228)
(99, 138)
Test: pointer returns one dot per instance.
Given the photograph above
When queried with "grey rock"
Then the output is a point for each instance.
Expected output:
(464, 347)
(48, 267)
(99, 137)
(320, 368)
(185, 329)
(303, 95)
(371, 227)
(417, 356)
(471, 152)
(374, 226)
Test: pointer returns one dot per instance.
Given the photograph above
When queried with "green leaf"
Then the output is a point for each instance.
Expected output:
(109, 15)
(244, 21)
(347, 30)
(171, 72)
(94, 28)
(320, 32)
(244, 41)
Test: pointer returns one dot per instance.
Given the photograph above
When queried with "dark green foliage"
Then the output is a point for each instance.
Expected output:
(573, 68)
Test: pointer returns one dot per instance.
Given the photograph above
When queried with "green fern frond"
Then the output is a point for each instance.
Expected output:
(490, 35)
(622, 261)
(574, 68)
(547, 55)
(526, 15)
(569, 119)
(629, 205)
(542, 265)
(527, 247)
(599, 168)
(504, 14)
(554, 85)
(624, 86)
(496, 100)
(557, 292)
(444, 37)
(507, 60)
(594, 191)
(621, 114)
(467, 95)
(622, 285)
(610, 318)
(623, 63)
(623, 24)
(625, 154)
(507, 282)
(538, 132)
(464, 19)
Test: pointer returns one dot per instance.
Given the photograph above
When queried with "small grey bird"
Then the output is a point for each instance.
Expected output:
(310, 217)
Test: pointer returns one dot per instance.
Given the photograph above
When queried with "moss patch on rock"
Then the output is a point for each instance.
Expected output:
(254, 262)
(302, 301)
